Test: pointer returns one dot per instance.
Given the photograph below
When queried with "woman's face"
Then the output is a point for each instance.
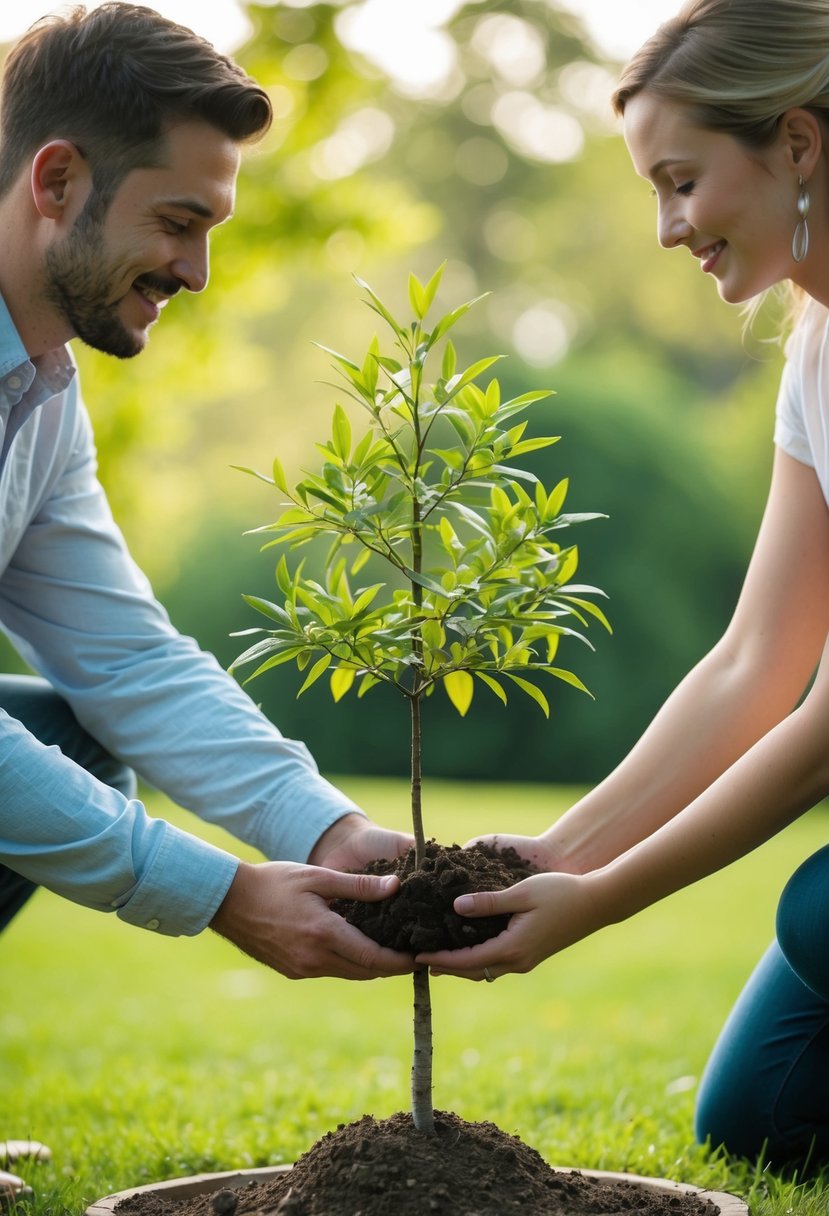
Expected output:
(733, 208)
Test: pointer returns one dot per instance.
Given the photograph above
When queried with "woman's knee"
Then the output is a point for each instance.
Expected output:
(803, 922)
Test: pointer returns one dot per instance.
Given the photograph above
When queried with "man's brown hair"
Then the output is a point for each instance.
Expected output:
(113, 81)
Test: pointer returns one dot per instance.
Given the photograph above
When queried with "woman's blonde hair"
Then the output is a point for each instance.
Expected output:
(738, 65)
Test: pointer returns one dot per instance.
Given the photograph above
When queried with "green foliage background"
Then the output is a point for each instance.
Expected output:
(665, 408)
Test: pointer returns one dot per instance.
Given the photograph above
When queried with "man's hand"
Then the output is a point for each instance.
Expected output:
(547, 913)
(278, 913)
(354, 840)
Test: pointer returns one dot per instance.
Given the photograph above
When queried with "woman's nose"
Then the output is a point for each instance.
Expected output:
(672, 227)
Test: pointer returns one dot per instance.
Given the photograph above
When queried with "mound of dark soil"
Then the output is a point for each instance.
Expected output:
(386, 1168)
(420, 916)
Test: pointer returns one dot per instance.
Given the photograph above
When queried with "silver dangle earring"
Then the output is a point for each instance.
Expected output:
(800, 240)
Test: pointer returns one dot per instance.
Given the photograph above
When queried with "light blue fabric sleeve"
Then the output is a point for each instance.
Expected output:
(65, 830)
(84, 616)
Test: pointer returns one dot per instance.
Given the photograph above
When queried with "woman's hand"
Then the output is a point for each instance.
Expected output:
(548, 912)
(534, 849)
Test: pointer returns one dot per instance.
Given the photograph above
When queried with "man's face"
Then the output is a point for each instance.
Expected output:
(111, 275)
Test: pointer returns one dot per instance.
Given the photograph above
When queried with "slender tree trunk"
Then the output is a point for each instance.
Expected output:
(417, 782)
(423, 1114)
(422, 1110)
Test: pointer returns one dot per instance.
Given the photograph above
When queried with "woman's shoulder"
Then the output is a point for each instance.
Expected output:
(810, 332)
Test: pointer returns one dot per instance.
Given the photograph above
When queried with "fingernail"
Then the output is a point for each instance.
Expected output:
(464, 904)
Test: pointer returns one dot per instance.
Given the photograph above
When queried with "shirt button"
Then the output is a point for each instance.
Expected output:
(14, 382)
(152, 924)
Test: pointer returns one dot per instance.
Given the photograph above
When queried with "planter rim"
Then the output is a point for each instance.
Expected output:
(199, 1184)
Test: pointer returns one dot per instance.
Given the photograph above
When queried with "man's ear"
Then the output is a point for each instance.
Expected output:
(59, 173)
(802, 136)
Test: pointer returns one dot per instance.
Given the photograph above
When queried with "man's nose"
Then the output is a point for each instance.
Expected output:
(193, 269)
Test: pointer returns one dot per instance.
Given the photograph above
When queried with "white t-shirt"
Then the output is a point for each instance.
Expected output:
(802, 427)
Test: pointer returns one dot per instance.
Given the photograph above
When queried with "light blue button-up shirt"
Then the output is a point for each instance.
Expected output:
(82, 614)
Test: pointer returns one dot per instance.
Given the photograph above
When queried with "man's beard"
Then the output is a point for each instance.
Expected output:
(79, 285)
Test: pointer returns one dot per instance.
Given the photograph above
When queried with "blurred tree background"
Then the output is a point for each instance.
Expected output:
(485, 139)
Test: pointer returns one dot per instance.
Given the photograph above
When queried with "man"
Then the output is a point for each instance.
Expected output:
(120, 136)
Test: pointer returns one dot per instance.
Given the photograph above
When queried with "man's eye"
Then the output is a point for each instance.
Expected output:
(686, 188)
(176, 226)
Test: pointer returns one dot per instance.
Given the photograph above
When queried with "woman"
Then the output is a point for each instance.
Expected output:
(726, 112)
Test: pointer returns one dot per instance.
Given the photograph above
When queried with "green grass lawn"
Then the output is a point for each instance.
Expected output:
(138, 1057)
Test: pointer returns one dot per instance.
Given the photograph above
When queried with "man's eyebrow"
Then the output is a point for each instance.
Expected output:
(189, 204)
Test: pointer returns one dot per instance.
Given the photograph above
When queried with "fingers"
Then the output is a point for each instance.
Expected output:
(362, 959)
(471, 963)
(492, 903)
(369, 888)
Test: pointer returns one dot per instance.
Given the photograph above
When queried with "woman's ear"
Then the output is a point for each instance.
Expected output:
(802, 137)
(59, 175)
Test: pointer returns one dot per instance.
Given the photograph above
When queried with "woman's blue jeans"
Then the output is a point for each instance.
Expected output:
(765, 1090)
(47, 716)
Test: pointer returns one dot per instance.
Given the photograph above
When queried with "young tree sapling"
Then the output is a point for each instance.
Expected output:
(477, 587)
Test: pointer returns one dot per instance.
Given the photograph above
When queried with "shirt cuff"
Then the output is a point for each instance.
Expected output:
(180, 891)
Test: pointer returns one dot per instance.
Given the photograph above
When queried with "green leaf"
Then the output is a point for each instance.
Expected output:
(283, 576)
(593, 609)
(368, 681)
(532, 445)
(423, 580)
(433, 634)
(450, 361)
(568, 565)
(417, 297)
(341, 359)
(569, 678)
(530, 689)
(273, 611)
(276, 661)
(516, 404)
(493, 396)
(341, 680)
(242, 468)
(430, 290)
(362, 559)
(279, 479)
(471, 373)
(366, 597)
(342, 433)
(460, 688)
(371, 367)
(493, 684)
(379, 307)
(315, 673)
(556, 500)
(446, 323)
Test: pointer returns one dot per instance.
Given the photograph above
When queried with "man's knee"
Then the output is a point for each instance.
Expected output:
(47, 716)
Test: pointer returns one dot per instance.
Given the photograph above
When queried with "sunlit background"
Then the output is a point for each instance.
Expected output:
(397, 31)
(476, 132)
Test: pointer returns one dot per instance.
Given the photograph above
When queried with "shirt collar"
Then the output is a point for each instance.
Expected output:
(24, 381)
